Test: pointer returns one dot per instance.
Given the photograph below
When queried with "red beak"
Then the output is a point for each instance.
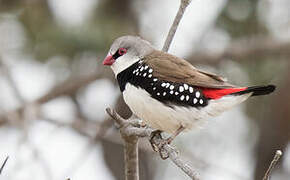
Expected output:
(109, 60)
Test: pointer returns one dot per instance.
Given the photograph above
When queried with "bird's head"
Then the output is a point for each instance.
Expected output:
(125, 51)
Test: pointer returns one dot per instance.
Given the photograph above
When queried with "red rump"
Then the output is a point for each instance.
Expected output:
(218, 93)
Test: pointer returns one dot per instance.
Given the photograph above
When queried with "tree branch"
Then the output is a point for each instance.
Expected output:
(276, 158)
(179, 162)
(173, 28)
(132, 129)
(131, 145)
(131, 157)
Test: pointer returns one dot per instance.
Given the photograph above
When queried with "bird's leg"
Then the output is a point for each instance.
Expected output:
(158, 147)
(156, 133)
(176, 133)
(163, 154)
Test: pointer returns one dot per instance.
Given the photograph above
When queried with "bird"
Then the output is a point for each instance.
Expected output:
(167, 92)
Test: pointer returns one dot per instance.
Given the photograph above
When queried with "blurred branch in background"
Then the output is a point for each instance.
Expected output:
(3, 164)
(245, 49)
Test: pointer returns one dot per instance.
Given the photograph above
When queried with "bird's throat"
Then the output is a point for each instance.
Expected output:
(126, 76)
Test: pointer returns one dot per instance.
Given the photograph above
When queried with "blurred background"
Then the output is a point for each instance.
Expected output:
(54, 88)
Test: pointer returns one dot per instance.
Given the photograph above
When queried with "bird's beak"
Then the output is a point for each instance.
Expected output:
(109, 60)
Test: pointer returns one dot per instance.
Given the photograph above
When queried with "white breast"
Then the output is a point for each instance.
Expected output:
(169, 119)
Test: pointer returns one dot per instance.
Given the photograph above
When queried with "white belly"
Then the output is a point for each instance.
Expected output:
(169, 119)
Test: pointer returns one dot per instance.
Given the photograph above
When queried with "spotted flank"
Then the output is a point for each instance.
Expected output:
(141, 75)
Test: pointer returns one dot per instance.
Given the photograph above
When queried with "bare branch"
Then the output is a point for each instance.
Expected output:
(129, 130)
(131, 158)
(276, 158)
(179, 15)
(185, 167)
(131, 146)
(4, 163)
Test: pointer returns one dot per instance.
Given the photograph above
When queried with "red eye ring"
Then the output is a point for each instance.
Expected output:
(122, 51)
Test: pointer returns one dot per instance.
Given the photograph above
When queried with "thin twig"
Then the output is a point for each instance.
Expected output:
(276, 158)
(185, 167)
(130, 130)
(4, 163)
(173, 28)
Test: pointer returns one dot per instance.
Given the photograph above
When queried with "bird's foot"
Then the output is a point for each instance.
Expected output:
(163, 154)
(157, 145)
(157, 142)
(155, 134)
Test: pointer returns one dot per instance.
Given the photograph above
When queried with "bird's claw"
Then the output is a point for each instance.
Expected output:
(158, 147)
(154, 134)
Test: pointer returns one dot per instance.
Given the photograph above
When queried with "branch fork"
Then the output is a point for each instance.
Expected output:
(131, 130)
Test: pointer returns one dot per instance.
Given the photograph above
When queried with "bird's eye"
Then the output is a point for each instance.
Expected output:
(122, 51)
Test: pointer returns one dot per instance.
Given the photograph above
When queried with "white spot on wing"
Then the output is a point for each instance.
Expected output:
(187, 97)
(158, 94)
(182, 97)
(164, 93)
(197, 94)
(150, 75)
(176, 93)
(194, 101)
(167, 85)
(163, 84)
(200, 101)
(171, 87)
(171, 92)
(190, 89)
(185, 86)
(150, 70)
(155, 79)
(144, 74)
(146, 67)
(181, 88)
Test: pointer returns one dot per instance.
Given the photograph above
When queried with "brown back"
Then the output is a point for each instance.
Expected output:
(171, 68)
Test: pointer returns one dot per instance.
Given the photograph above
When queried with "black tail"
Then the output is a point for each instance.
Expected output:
(257, 90)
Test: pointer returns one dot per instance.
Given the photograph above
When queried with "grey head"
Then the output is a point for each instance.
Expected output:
(125, 51)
